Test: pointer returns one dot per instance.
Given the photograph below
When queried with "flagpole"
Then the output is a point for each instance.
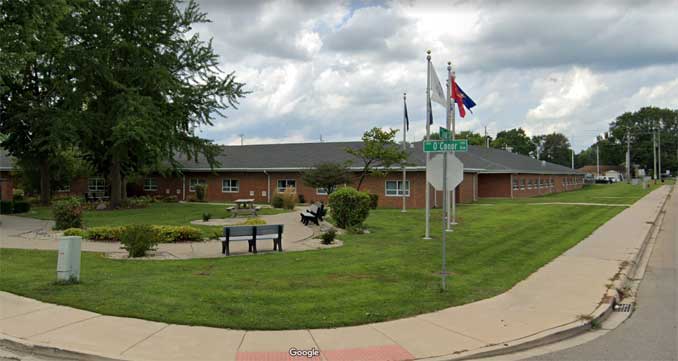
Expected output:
(453, 219)
(404, 148)
(428, 134)
(450, 113)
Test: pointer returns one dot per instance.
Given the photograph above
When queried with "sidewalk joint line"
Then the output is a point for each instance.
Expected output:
(316, 344)
(47, 305)
(453, 331)
(242, 339)
(145, 338)
(64, 325)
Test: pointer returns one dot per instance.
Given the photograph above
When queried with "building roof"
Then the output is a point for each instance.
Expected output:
(299, 156)
(603, 168)
(6, 162)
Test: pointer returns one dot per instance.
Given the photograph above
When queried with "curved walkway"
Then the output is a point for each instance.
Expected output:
(559, 298)
(30, 233)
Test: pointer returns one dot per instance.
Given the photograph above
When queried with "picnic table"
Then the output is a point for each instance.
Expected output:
(243, 206)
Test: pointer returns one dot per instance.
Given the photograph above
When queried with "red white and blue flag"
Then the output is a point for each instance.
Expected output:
(459, 97)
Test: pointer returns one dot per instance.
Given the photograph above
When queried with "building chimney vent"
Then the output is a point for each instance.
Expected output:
(543, 163)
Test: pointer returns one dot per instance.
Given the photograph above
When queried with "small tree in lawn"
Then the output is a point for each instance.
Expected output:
(326, 175)
(378, 153)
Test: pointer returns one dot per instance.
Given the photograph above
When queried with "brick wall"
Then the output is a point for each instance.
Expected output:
(6, 186)
(494, 185)
(528, 184)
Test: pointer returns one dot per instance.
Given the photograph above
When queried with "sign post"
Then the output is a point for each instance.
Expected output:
(456, 168)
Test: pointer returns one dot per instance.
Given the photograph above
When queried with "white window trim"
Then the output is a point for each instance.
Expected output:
(398, 193)
(321, 193)
(191, 186)
(522, 184)
(153, 185)
(96, 179)
(286, 180)
(237, 187)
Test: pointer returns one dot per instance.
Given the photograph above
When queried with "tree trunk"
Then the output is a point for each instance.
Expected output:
(360, 181)
(115, 183)
(45, 184)
(123, 189)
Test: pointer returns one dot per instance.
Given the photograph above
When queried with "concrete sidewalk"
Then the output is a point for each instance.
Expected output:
(559, 298)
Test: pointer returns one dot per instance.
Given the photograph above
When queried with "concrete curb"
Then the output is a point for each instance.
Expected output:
(604, 309)
(26, 347)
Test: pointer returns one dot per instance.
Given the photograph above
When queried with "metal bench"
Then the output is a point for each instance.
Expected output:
(314, 214)
(252, 234)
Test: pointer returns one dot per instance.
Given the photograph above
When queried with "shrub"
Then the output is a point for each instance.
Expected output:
(171, 234)
(252, 222)
(206, 217)
(111, 234)
(289, 198)
(328, 237)
(18, 195)
(79, 232)
(21, 207)
(200, 192)
(138, 239)
(374, 200)
(349, 207)
(170, 199)
(67, 213)
(6, 207)
(302, 199)
(138, 202)
(277, 201)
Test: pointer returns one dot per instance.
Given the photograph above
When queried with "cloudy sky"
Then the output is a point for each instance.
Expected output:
(336, 68)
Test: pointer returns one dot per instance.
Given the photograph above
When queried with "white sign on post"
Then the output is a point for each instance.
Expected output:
(455, 172)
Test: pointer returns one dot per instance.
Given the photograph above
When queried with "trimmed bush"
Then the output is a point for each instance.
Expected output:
(138, 239)
(206, 217)
(138, 202)
(253, 222)
(277, 201)
(374, 200)
(79, 232)
(349, 207)
(328, 237)
(302, 199)
(21, 207)
(6, 207)
(111, 234)
(171, 234)
(67, 213)
(200, 192)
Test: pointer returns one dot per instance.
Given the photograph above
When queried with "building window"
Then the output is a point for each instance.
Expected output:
(230, 185)
(150, 184)
(64, 189)
(96, 184)
(286, 183)
(522, 184)
(394, 188)
(321, 191)
(194, 182)
(515, 184)
(529, 184)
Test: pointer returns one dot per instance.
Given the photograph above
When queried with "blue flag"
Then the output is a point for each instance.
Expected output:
(468, 102)
(407, 119)
(430, 112)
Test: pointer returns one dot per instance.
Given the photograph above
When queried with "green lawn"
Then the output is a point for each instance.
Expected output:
(157, 213)
(618, 193)
(387, 274)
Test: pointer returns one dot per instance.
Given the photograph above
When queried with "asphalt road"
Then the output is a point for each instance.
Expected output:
(651, 333)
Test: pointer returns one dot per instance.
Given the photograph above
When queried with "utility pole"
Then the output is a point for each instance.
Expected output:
(628, 156)
(654, 153)
(572, 158)
(242, 139)
(598, 159)
(487, 140)
(659, 148)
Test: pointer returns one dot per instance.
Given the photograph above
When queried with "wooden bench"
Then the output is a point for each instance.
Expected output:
(314, 214)
(252, 234)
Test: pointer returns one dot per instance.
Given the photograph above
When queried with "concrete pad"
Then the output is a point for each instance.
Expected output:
(103, 335)
(12, 305)
(349, 337)
(177, 342)
(277, 341)
(44, 320)
(424, 339)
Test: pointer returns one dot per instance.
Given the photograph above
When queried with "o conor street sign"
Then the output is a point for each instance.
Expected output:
(457, 145)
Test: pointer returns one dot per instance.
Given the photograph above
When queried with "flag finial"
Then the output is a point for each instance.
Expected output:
(428, 57)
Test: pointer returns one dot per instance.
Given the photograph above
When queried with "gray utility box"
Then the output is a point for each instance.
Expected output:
(68, 265)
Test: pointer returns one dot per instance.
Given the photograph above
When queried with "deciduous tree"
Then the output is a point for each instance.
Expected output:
(378, 153)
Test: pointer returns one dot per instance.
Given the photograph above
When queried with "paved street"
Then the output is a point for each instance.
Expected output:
(651, 333)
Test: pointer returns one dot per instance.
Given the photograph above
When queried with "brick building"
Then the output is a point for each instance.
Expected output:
(259, 171)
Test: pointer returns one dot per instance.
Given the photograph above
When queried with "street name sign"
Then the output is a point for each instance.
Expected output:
(457, 145)
(445, 133)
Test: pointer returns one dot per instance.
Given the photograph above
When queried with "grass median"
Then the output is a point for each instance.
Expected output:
(387, 274)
